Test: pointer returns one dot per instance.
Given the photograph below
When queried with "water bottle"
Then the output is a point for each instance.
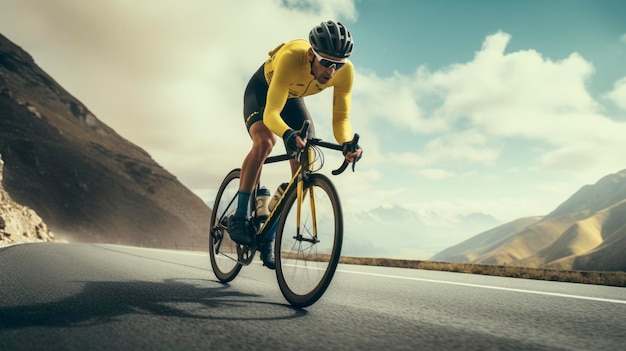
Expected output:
(277, 195)
(262, 202)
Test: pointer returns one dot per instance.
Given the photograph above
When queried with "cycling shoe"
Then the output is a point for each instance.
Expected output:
(267, 254)
(239, 230)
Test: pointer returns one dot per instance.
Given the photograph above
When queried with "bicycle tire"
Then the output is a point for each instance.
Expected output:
(305, 267)
(223, 251)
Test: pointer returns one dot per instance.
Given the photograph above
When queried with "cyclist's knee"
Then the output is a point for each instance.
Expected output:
(266, 144)
(263, 140)
(263, 146)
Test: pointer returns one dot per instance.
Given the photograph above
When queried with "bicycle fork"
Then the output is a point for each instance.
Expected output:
(301, 194)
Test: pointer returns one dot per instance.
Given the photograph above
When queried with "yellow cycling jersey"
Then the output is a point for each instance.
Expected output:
(288, 75)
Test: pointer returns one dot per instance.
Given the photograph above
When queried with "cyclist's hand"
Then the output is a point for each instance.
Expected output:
(293, 141)
(351, 152)
(352, 156)
(300, 143)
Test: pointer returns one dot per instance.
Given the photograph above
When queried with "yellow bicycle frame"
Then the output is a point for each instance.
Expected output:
(300, 196)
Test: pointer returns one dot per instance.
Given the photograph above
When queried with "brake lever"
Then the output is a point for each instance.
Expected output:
(353, 148)
(344, 165)
(304, 132)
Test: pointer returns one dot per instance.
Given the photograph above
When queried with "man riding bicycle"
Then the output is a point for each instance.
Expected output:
(274, 97)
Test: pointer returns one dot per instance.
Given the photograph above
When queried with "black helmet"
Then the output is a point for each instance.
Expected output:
(331, 38)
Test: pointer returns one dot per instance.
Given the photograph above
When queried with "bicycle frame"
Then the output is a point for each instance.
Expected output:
(304, 157)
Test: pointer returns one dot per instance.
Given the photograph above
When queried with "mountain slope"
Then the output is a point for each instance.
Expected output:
(479, 245)
(586, 232)
(19, 224)
(86, 181)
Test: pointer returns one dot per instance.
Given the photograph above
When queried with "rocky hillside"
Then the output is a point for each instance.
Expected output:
(586, 232)
(87, 182)
(19, 224)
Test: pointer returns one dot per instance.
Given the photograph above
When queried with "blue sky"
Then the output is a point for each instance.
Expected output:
(440, 33)
(497, 107)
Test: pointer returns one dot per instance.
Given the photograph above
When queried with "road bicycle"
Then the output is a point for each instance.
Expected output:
(309, 221)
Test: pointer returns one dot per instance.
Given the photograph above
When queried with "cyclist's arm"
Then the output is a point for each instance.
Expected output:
(277, 95)
(342, 129)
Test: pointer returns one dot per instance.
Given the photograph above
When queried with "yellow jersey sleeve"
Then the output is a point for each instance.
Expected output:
(288, 75)
(342, 129)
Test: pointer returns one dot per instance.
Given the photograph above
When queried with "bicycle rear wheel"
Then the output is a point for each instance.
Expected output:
(306, 259)
(223, 250)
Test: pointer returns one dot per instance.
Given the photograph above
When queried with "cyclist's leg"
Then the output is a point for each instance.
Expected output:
(294, 114)
(263, 141)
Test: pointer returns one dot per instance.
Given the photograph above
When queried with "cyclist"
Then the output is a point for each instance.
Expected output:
(274, 105)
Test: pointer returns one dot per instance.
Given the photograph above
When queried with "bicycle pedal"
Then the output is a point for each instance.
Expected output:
(245, 254)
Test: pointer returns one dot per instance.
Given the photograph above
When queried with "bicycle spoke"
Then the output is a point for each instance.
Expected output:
(308, 255)
(223, 250)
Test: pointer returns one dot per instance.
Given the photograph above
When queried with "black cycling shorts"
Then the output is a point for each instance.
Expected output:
(294, 113)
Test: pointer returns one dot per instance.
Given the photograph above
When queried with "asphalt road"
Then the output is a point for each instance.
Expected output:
(106, 297)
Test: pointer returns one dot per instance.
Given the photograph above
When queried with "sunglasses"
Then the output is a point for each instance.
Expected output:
(336, 65)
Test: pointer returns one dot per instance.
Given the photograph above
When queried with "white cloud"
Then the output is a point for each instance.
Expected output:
(435, 173)
(512, 94)
(618, 94)
(393, 99)
(470, 145)
(469, 110)
(623, 38)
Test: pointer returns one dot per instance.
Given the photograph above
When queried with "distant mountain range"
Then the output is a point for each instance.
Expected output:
(83, 179)
(586, 232)
(397, 213)
(398, 232)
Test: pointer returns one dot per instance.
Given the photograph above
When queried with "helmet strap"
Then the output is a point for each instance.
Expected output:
(312, 58)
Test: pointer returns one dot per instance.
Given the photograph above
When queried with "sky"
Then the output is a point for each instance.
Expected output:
(496, 107)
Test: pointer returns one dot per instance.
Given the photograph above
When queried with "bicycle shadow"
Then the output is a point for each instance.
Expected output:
(106, 302)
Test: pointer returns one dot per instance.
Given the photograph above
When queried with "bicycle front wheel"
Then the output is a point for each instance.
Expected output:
(307, 256)
(223, 250)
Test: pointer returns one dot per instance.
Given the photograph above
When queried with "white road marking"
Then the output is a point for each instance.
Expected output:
(489, 287)
(600, 299)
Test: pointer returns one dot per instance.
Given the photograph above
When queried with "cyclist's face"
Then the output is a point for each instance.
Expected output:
(322, 74)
